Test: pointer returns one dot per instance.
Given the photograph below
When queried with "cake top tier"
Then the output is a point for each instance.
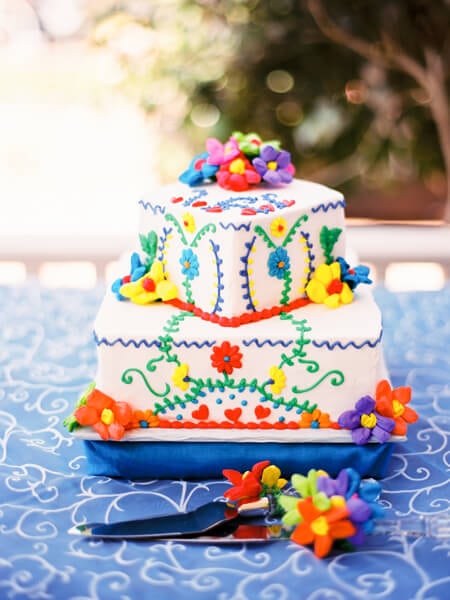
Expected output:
(218, 204)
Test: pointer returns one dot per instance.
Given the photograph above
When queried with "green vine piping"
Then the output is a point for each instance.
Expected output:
(328, 238)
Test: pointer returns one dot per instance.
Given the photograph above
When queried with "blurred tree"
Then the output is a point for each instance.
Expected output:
(357, 91)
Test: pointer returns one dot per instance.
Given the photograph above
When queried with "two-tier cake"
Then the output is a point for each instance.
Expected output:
(238, 331)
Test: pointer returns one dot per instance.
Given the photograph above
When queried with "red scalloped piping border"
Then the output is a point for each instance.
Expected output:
(279, 425)
(249, 317)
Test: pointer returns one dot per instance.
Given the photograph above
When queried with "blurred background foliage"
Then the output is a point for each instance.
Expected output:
(357, 91)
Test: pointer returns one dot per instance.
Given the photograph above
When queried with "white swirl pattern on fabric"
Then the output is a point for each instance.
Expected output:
(47, 358)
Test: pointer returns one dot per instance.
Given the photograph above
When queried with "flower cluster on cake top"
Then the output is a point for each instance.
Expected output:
(245, 160)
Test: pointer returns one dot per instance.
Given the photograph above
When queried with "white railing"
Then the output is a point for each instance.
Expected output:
(380, 245)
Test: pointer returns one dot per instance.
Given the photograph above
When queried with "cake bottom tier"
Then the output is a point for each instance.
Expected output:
(204, 460)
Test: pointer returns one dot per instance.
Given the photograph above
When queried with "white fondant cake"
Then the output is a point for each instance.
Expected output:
(231, 336)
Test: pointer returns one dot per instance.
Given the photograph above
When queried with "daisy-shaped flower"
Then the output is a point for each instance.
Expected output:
(106, 416)
(180, 376)
(137, 270)
(250, 144)
(321, 527)
(365, 422)
(226, 357)
(361, 500)
(353, 276)
(153, 286)
(326, 287)
(274, 165)
(220, 154)
(143, 419)
(198, 170)
(278, 227)
(393, 404)
(189, 264)
(314, 420)
(277, 380)
(188, 222)
(278, 263)
(306, 487)
(237, 175)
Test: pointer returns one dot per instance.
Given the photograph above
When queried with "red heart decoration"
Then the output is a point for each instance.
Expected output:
(288, 202)
(248, 211)
(233, 414)
(177, 199)
(202, 412)
(261, 412)
(199, 203)
(214, 209)
(268, 207)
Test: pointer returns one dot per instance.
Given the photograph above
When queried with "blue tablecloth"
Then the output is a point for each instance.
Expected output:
(47, 357)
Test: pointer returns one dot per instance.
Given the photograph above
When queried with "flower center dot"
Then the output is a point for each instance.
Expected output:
(398, 408)
(237, 166)
(272, 165)
(369, 421)
(107, 416)
(320, 526)
(335, 287)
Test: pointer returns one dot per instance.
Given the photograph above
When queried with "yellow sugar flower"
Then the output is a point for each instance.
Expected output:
(180, 376)
(326, 286)
(153, 286)
(271, 477)
(278, 380)
(188, 222)
(278, 227)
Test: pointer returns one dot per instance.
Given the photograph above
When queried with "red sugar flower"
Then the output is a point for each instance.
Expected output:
(226, 357)
(237, 175)
(392, 403)
(106, 416)
(246, 486)
(321, 527)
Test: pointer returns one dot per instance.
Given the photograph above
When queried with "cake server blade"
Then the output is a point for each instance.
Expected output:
(206, 518)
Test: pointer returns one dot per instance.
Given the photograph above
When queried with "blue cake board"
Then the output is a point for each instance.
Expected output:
(206, 460)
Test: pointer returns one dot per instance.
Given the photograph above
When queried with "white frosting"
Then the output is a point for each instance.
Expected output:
(344, 345)
(234, 249)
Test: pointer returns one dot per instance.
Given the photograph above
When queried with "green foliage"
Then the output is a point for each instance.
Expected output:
(328, 238)
(149, 245)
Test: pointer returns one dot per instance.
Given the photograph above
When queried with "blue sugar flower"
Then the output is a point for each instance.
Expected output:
(189, 264)
(137, 270)
(278, 263)
(355, 275)
(198, 170)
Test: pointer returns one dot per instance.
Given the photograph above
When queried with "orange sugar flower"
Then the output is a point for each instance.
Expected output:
(142, 419)
(314, 420)
(393, 404)
(322, 527)
(106, 416)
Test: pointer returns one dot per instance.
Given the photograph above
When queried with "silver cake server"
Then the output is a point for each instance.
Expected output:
(206, 518)
(216, 522)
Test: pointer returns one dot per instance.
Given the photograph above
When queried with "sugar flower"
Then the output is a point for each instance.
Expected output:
(326, 287)
(314, 420)
(278, 263)
(237, 175)
(143, 419)
(189, 264)
(353, 276)
(261, 480)
(278, 227)
(180, 376)
(151, 287)
(249, 143)
(393, 404)
(220, 154)
(274, 165)
(198, 170)
(226, 357)
(188, 222)
(137, 270)
(321, 527)
(277, 380)
(365, 422)
(106, 416)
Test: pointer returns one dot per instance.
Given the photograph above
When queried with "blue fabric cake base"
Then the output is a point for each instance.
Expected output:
(203, 460)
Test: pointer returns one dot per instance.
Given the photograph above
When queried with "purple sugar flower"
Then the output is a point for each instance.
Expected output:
(366, 423)
(274, 165)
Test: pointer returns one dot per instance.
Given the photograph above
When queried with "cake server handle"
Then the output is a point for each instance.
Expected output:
(430, 526)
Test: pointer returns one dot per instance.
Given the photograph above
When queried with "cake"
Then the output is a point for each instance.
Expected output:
(237, 330)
